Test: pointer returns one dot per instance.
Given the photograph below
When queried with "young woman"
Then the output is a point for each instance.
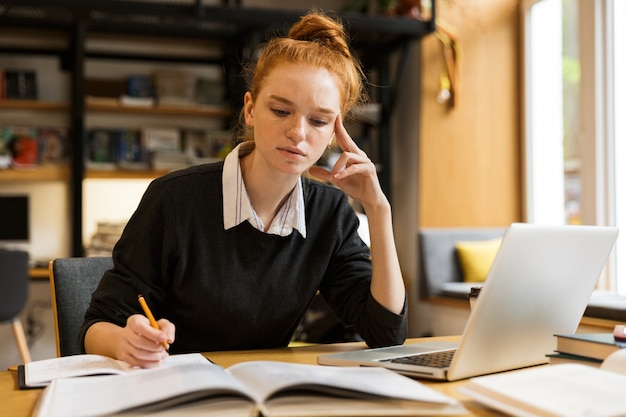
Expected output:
(230, 255)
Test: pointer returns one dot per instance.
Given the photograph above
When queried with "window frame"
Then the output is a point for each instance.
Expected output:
(597, 118)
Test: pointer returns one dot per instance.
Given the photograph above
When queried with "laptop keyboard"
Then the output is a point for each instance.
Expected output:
(441, 359)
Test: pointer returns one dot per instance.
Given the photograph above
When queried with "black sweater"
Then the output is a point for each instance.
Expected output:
(238, 288)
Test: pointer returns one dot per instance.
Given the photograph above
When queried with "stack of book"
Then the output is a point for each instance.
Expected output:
(106, 236)
(587, 348)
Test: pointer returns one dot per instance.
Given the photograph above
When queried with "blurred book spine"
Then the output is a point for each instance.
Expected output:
(19, 84)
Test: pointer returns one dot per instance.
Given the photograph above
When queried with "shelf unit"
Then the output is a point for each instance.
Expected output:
(202, 111)
(234, 30)
(33, 105)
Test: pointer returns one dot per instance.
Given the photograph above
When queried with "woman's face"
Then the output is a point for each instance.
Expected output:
(293, 116)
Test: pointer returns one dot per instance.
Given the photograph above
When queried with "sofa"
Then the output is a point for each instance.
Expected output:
(441, 278)
(440, 269)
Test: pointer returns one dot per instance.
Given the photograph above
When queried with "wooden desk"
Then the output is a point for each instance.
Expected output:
(20, 403)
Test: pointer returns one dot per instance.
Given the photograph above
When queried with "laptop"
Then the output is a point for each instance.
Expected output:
(539, 284)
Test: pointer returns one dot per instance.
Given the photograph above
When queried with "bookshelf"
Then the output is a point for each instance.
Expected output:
(163, 110)
(123, 174)
(41, 173)
(36, 109)
(222, 36)
(34, 105)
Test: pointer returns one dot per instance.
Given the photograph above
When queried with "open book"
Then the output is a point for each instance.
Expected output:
(255, 388)
(38, 374)
(563, 390)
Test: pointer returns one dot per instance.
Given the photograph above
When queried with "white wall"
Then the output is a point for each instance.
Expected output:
(109, 201)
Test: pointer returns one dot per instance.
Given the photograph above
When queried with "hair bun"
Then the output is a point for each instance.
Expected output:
(320, 28)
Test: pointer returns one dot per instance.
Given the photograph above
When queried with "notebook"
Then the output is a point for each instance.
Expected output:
(539, 285)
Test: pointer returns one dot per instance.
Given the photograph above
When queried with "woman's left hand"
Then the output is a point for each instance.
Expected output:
(353, 172)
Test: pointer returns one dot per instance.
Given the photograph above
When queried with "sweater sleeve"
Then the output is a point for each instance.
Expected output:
(346, 286)
(139, 264)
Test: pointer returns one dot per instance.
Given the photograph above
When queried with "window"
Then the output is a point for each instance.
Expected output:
(618, 47)
(574, 159)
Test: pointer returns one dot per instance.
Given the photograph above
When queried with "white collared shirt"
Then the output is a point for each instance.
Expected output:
(237, 206)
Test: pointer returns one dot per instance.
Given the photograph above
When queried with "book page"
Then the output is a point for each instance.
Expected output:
(307, 405)
(212, 407)
(40, 373)
(268, 378)
(158, 388)
(568, 390)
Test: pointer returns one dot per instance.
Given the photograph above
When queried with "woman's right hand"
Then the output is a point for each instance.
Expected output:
(137, 343)
(142, 345)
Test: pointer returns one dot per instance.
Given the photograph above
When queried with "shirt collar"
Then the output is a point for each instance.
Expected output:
(237, 206)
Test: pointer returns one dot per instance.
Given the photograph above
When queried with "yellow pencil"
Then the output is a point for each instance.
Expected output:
(148, 313)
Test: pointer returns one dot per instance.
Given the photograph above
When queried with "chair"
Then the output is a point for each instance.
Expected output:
(72, 281)
(14, 282)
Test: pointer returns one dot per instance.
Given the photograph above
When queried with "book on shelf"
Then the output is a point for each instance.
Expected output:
(5, 152)
(23, 147)
(52, 145)
(202, 146)
(163, 160)
(565, 390)
(253, 388)
(132, 153)
(198, 143)
(116, 148)
(7, 134)
(104, 239)
(5, 160)
(209, 91)
(161, 139)
(140, 86)
(126, 100)
(19, 84)
(591, 345)
(102, 148)
(175, 88)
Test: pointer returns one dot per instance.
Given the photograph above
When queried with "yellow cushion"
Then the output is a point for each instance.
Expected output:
(476, 258)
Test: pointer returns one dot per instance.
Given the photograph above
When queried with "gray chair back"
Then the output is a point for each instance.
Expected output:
(14, 282)
(72, 281)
